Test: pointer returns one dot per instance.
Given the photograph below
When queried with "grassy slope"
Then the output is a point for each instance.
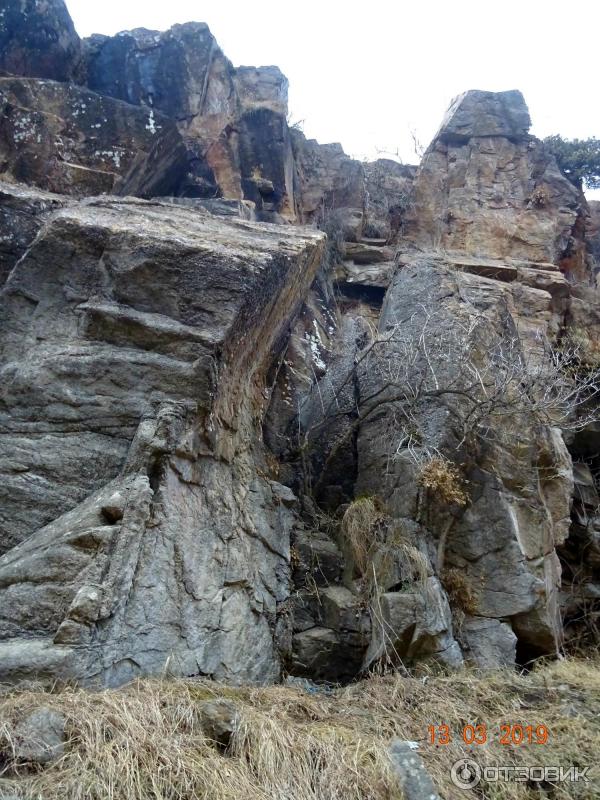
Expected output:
(145, 740)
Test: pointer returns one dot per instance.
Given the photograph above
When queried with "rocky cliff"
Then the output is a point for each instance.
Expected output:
(269, 410)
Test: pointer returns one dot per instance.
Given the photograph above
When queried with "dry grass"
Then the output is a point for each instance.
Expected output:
(362, 527)
(459, 590)
(444, 480)
(144, 742)
(379, 550)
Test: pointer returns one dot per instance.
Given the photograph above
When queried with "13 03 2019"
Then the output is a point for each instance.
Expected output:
(509, 733)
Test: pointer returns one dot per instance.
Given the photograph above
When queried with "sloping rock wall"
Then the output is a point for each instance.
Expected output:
(134, 384)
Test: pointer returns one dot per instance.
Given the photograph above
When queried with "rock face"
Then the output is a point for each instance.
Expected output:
(234, 141)
(503, 541)
(346, 196)
(38, 39)
(241, 448)
(141, 393)
(497, 595)
(68, 140)
(233, 121)
(487, 188)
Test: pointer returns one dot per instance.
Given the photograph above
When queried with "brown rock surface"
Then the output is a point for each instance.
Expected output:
(487, 188)
(233, 121)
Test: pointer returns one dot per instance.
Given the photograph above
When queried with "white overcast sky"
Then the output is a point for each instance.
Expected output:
(368, 73)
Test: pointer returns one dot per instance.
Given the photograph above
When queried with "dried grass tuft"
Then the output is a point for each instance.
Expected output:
(444, 480)
(361, 530)
(459, 590)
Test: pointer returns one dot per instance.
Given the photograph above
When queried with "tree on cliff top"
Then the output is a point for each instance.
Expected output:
(579, 159)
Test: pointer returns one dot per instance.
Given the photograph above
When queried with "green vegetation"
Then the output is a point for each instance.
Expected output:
(579, 159)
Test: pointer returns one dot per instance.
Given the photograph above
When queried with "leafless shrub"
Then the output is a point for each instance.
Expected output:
(478, 378)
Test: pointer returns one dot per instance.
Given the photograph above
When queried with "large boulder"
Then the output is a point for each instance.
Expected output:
(483, 114)
(38, 39)
(136, 341)
(66, 139)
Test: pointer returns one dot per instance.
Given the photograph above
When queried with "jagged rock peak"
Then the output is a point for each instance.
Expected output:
(476, 113)
(168, 70)
(38, 39)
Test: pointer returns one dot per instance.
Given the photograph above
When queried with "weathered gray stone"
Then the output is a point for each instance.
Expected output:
(585, 486)
(219, 720)
(194, 557)
(22, 213)
(415, 781)
(342, 610)
(317, 654)
(490, 643)
(409, 626)
(504, 539)
(318, 558)
(40, 737)
(113, 510)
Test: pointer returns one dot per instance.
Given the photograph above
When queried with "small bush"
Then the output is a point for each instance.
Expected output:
(444, 480)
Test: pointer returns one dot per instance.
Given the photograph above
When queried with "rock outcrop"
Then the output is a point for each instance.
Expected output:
(498, 554)
(233, 121)
(487, 188)
(150, 535)
(235, 446)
